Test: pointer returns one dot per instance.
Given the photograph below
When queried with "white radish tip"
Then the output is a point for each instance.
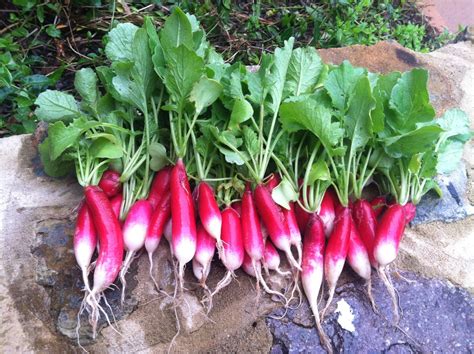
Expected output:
(184, 248)
(385, 253)
(134, 236)
(333, 270)
(151, 244)
(213, 227)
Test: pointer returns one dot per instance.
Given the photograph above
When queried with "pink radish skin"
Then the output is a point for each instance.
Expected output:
(313, 270)
(365, 220)
(116, 203)
(271, 259)
(237, 206)
(302, 217)
(378, 205)
(159, 186)
(253, 239)
(110, 183)
(336, 251)
(274, 220)
(295, 234)
(327, 211)
(209, 212)
(159, 217)
(135, 229)
(251, 230)
(272, 181)
(233, 248)
(205, 249)
(183, 219)
(248, 266)
(111, 248)
(410, 212)
(357, 256)
(85, 242)
(388, 234)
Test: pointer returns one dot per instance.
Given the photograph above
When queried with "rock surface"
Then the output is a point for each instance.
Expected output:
(436, 317)
(40, 286)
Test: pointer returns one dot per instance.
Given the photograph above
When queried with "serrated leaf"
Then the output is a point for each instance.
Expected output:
(305, 113)
(416, 141)
(204, 93)
(241, 112)
(303, 71)
(357, 120)
(340, 84)
(251, 141)
(104, 148)
(85, 82)
(119, 46)
(56, 105)
(53, 168)
(284, 193)
(410, 100)
(279, 70)
(62, 137)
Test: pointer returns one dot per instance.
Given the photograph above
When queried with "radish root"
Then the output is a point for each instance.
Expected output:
(391, 290)
(123, 271)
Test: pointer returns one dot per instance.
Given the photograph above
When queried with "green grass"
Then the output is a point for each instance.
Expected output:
(42, 43)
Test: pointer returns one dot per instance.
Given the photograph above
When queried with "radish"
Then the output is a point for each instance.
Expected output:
(388, 235)
(302, 217)
(365, 220)
(274, 220)
(167, 232)
(160, 216)
(336, 251)
(135, 230)
(295, 234)
(410, 211)
(358, 259)
(313, 270)
(108, 263)
(253, 239)
(110, 183)
(378, 204)
(85, 242)
(272, 181)
(237, 206)
(116, 203)
(183, 220)
(233, 248)
(249, 266)
(271, 259)
(209, 212)
(159, 186)
(205, 249)
(327, 211)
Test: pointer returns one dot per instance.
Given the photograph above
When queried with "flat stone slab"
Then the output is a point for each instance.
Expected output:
(436, 317)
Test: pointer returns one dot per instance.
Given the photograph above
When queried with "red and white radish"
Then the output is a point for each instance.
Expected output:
(85, 242)
(159, 186)
(183, 219)
(327, 211)
(160, 216)
(365, 219)
(275, 222)
(313, 270)
(109, 261)
(336, 251)
(135, 229)
(205, 249)
(209, 212)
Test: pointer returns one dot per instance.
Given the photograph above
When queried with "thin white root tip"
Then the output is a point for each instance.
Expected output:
(391, 290)
(332, 289)
(292, 260)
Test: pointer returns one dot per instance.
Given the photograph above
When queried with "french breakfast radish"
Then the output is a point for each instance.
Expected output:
(159, 186)
(274, 220)
(336, 251)
(364, 217)
(233, 247)
(116, 203)
(85, 242)
(271, 259)
(302, 217)
(110, 183)
(205, 249)
(209, 212)
(327, 211)
(388, 235)
(158, 220)
(410, 212)
(109, 261)
(313, 271)
(183, 221)
(135, 229)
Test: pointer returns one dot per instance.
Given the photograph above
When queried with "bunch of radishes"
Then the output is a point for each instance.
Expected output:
(251, 163)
